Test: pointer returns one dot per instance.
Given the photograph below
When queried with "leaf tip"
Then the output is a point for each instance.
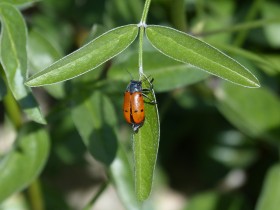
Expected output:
(255, 83)
(30, 82)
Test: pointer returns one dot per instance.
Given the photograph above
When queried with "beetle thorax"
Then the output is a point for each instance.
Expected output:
(134, 86)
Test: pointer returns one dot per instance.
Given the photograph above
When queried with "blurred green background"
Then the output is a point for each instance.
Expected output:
(219, 145)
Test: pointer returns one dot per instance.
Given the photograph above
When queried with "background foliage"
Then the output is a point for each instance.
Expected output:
(219, 145)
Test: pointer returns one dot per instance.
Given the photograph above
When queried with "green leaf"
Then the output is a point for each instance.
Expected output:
(14, 59)
(25, 162)
(3, 89)
(269, 197)
(168, 73)
(188, 49)
(95, 118)
(145, 147)
(122, 174)
(88, 57)
(254, 111)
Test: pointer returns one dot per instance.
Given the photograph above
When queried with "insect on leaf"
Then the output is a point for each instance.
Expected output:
(145, 146)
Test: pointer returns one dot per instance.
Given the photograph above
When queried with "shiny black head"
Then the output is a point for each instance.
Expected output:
(134, 86)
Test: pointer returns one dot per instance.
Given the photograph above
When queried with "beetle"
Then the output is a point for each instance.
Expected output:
(133, 105)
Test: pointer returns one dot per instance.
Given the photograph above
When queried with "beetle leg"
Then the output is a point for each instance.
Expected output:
(151, 100)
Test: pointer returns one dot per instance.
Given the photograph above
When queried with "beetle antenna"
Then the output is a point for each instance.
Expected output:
(129, 74)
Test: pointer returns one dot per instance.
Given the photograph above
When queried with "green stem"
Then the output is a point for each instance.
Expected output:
(145, 11)
(12, 109)
(241, 36)
(142, 26)
(35, 195)
(141, 36)
(94, 199)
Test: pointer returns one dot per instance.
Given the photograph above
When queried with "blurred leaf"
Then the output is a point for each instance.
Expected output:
(272, 10)
(122, 174)
(222, 9)
(269, 197)
(25, 162)
(53, 30)
(88, 57)
(15, 202)
(214, 200)
(273, 60)
(254, 111)
(18, 2)
(261, 60)
(168, 73)
(145, 147)
(14, 60)
(42, 54)
(96, 30)
(233, 150)
(94, 117)
(187, 49)
(41, 51)
(204, 201)
(122, 12)
(3, 89)
(215, 23)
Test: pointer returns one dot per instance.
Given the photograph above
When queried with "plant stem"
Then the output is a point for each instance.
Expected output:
(142, 26)
(35, 195)
(12, 109)
(141, 36)
(96, 196)
(145, 11)
(241, 36)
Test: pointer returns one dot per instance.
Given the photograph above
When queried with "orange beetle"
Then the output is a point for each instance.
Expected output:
(133, 106)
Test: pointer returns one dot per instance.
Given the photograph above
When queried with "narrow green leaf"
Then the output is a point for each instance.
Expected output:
(88, 57)
(188, 49)
(3, 89)
(254, 111)
(95, 118)
(145, 147)
(122, 174)
(25, 162)
(14, 59)
(269, 197)
(168, 73)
